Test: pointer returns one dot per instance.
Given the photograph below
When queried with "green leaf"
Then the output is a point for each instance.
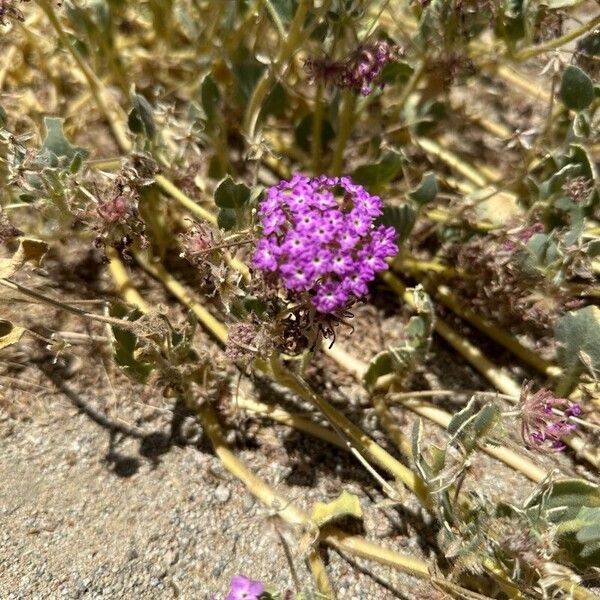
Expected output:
(426, 191)
(421, 464)
(345, 505)
(401, 218)
(459, 421)
(275, 102)
(563, 499)
(125, 346)
(379, 173)
(590, 44)
(56, 150)
(438, 459)
(381, 364)
(514, 20)
(396, 72)
(576, 88)
(284, 9)
(471, 426)
(226, 218)
(211, 97)
(141, 117)
(76, 163)
(574, 506)
(577, 332)
(590, 520)
(231, 195)
(247, 73)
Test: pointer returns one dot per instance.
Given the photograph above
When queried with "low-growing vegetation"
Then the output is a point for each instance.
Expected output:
(262, 184)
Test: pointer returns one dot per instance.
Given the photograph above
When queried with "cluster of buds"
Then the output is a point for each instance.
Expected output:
(518, 237)
(578, 189)
(319, 248)
(545, 419)
(360, 72)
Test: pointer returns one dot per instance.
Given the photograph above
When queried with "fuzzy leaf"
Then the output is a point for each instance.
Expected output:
(141, 117)
(247, 72)
(590, 520)
(56, 150)
(395, 72)
(345, 505)
(380, 365)
(576, 332)
(231, 195)
(401, 218)
(9, 333)
(426, 191)
(125, 346)
(461, 418)
(380, 173)
(438, 459)
(275, 102)
(421, 465)
(576, 88)
(564, 499)
(211, 97)
(29, 250)
(226, 218)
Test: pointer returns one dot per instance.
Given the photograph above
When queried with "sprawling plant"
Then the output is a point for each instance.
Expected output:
(296, 154)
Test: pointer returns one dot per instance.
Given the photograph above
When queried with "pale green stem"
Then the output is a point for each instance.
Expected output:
(346, 120)
(285, 53)
(317, 130)
(362, 441)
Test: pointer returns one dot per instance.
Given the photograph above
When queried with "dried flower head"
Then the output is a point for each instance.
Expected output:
(7, 229)
(9, 10)
(548, 24)
(320, 248)
(578, 188)
(545, 419)
(246, 341)
(113, 210)
(359, 72)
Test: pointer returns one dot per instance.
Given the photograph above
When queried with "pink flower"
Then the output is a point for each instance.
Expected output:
(243, 588)
(542, 424)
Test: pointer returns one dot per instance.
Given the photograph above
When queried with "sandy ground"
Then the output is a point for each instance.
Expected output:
(87, 514)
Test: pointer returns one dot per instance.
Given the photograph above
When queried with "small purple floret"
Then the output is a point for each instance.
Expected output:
(543, 426)
(243, 588)
(317, 245)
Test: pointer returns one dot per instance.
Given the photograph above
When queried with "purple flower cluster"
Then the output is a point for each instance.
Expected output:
(360, 72)
(315, 244)
(366, 68)
(243, 588)
(545, 419)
